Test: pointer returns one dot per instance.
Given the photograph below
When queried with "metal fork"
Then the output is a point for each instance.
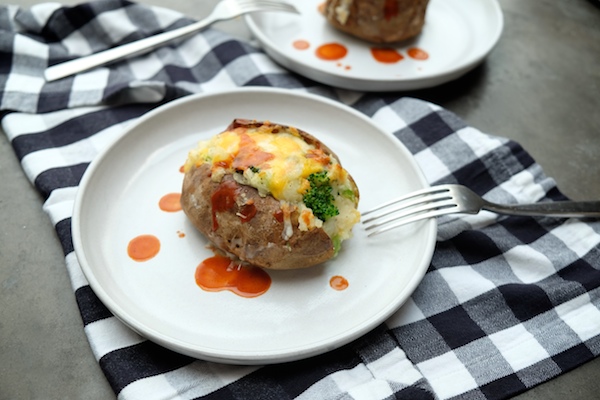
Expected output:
(450, 199)
(226, 9)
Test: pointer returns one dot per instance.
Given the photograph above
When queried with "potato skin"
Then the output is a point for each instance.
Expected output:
(258, 241)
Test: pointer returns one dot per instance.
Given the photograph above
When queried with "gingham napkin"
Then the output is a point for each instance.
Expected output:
(507, 303)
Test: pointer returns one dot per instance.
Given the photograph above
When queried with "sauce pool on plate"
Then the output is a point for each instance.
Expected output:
(221, 273)
(331, 51)
(143, 247)
(301, 44)
(338, 282)
(170, 202)
(386, 55)
(417, 54)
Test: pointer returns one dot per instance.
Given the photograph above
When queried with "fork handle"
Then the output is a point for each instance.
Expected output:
(118, 53)
(555, 209)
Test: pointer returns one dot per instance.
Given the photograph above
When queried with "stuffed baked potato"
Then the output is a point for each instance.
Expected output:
(271, 195)
(377, 21)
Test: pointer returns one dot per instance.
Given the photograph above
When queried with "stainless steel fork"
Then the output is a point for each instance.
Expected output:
(450, 199)
(226, 9)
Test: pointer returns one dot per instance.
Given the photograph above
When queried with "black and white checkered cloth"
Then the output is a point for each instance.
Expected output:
(507, 303)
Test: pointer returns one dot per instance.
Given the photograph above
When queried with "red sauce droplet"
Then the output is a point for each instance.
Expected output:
(143, 247)
(338, 282)
(223, 199)
(386, 55)
(417, 54)
(170, 202)
(321, 8)
(331, 51)
(180, 234)
(278, 215)
(247, 212)
(220, 273)
(390, 9)
(182, 169)
(301, 44)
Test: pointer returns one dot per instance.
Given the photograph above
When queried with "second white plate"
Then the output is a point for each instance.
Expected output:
(457, 36)
(300, 315)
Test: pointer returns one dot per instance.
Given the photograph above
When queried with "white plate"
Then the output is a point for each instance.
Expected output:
(300, 315)
(458, 35)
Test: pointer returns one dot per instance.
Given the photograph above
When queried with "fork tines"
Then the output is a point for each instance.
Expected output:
(412, 207)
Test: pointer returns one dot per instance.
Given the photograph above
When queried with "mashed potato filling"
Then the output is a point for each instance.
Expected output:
(279, 163)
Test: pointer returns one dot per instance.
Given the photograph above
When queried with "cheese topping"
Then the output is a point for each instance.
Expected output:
(278, 162)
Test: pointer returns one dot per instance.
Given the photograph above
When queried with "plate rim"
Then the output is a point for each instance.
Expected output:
(376, 85)
(234, 356)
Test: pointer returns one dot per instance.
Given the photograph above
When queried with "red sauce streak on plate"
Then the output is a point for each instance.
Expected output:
(386, 55)
(338, 282)
(143, 247)
(170, 202)
(390, 9)
(331, 51)
(221, 273)
(417, 53)
(301, 44)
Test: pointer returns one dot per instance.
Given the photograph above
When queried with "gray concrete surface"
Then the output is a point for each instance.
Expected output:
(540, 86)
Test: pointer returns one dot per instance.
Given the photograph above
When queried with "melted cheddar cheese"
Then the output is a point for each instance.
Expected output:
(277, 161)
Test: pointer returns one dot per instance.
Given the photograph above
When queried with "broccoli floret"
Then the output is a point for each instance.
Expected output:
(337, 244)
(349, 194)
(319, 197)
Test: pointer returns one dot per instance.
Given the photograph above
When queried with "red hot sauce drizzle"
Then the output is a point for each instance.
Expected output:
(278, 215)
(247, 212)
(331, 51)
(301, 44)
(390, 9)
(250, 154)
(321, 8)
(223, 199)
(338, 282)
(143, 247)
(386, 55)
(220, 273)
(170, 202)
(417, 54)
